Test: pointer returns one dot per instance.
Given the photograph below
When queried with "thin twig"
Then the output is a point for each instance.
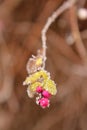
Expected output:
(50, 20)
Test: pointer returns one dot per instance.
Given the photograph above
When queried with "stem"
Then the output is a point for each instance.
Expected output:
(50, 20)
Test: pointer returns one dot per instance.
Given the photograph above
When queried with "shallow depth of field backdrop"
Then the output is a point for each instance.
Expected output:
(21, 22)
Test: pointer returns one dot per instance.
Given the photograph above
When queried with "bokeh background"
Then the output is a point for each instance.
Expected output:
(21, 22)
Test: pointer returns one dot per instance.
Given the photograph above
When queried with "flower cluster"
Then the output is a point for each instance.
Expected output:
(39, 83)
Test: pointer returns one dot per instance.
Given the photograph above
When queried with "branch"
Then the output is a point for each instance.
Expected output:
(50, 20)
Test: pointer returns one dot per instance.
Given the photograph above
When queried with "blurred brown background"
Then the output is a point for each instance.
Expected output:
(21, 22)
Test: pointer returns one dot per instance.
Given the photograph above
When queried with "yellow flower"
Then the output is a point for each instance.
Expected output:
(34, 81)
(36, 76)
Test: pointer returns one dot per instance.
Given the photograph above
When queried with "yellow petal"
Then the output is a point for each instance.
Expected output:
(50, 86)
(35, 85)
(36, 76)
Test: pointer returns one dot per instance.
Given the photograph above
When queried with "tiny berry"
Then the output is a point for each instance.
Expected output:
(44, 102)
(39, 89)
(46, 94)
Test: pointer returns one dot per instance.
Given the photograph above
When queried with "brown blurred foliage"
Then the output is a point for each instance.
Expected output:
(21, 22)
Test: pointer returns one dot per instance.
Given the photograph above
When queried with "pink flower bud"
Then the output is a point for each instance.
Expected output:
(44, 102)
(46, 94)
(39, 89)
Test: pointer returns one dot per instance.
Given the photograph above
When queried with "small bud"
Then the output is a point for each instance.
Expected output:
(44, 102)
(39, 89)
(46, 94)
